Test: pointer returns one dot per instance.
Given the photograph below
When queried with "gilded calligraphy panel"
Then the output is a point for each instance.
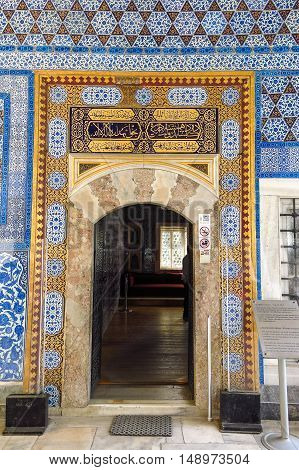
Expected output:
(143, 131)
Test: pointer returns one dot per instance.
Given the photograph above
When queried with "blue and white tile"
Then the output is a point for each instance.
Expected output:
(54, 395)
(275, 130)
(214, 22)
(159, 23)
(131, 23)
(13, 304)
(104, 22)
(55, 267)
(186, 23)
(54, 304)
(56, 223)
(15, 234)
(233, 362)
(76, 22)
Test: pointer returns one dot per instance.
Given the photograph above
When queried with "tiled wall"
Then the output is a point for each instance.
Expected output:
(277, 124)
(149, 24)
(16, 141)
(172, 35)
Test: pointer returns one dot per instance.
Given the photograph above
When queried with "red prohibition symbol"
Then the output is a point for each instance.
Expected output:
(204, 243)
(204, 231)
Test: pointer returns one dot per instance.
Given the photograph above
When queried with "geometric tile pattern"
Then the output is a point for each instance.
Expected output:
(280, 108)
(52, 359)
(185, 96)
(57, 138)
(143, 96)
(230, 225)
(56, 223)
(58, 94)
(230, 269)
(56, 180)
(163, 23)
(230, 182)
(55, 267)
(101, 96)
(230, 96)
(277, 124)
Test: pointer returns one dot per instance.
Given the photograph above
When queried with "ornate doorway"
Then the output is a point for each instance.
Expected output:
(101, 144)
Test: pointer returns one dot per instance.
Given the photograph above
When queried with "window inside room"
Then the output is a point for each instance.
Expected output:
(289, 242)
(173, 247)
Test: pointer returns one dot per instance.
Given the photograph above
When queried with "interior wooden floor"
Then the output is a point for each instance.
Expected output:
(145, 354)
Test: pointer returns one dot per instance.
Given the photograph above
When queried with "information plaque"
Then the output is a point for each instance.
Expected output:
(278, 328)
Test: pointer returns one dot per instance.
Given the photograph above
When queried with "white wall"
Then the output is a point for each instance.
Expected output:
(271, 190)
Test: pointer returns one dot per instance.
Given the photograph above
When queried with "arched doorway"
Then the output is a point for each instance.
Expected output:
(90, 203)
(143, 259)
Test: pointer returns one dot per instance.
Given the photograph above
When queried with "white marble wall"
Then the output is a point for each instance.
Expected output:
(271, 191)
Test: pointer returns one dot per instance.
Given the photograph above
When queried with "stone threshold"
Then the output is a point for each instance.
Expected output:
(157, 407)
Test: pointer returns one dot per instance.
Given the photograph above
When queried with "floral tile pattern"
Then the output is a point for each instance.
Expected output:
(13, 299)
(16, 90)
(4, 152)
(16, 142)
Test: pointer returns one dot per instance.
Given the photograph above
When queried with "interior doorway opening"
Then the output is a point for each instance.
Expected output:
(142, 252)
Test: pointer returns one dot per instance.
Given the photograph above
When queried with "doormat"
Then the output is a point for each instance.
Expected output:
(131, 425)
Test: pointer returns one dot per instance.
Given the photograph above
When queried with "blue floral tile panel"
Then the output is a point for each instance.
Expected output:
(280, 108)
(16, 148)
(13, 302)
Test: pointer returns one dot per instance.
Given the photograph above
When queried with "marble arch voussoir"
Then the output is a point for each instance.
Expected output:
(142, 185)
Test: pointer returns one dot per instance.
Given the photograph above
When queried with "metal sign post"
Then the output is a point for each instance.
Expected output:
(210, 394)
(278, 326)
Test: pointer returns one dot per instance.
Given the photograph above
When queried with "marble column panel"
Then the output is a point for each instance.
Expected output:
(78, 308)
(206, 293)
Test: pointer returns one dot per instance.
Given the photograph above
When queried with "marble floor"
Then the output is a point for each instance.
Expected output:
(82, 433)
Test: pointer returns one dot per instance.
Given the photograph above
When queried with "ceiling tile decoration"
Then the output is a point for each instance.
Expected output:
(163, 23)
